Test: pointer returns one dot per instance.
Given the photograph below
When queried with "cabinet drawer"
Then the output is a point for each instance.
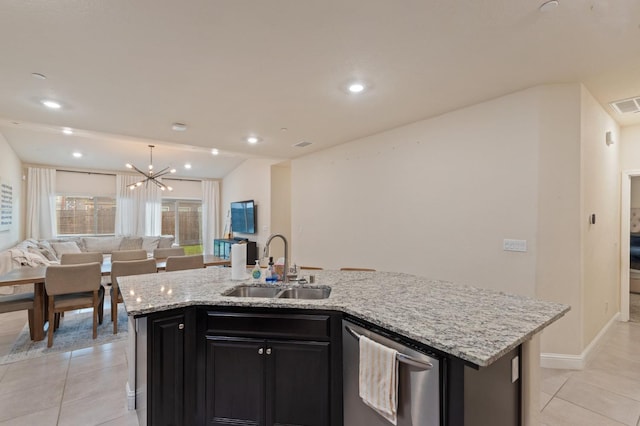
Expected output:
(294, 326)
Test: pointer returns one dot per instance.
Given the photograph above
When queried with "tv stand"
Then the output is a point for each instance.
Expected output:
(222, 249)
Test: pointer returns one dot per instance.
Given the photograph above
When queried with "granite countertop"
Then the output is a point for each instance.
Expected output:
(476, 325)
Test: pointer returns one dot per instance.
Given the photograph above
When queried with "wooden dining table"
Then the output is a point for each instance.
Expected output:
(36, 275)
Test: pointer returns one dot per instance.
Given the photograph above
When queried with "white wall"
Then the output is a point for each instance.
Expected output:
(281, 208)
(635, 192)
(435, 198)
(11, 173)
(600, 194)
(251, 180)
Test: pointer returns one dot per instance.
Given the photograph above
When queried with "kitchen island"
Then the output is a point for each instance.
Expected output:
(470, 328)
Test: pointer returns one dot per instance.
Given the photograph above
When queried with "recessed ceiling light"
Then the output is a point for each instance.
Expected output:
(187, 166)
(252, 139)
(77, 154)
(214, 151)
(548, 6)
(356, 87)
(39, 76)
(179, 127)
(67, 131)
(51, 104)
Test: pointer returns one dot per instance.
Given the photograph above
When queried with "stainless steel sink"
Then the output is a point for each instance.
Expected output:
(253, 291)
(248, 290)
(305, 293)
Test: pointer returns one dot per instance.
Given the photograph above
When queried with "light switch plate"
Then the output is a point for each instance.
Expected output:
(514, 245)
(515, 369)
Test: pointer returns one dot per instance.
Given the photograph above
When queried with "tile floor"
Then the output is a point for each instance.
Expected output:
(87, 387)
(606, 391)
(84, 387)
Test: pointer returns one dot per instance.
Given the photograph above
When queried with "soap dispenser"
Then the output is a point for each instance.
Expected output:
(271, 276)
(256, 273)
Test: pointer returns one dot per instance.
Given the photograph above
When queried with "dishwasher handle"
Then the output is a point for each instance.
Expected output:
(406, 359)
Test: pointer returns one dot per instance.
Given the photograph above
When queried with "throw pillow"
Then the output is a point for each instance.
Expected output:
(166, 241)
(46, 250)
(150, 243)
(66, 247)
(103, 245)
(131, 243)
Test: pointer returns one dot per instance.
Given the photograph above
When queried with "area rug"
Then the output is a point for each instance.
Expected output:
(75, 332)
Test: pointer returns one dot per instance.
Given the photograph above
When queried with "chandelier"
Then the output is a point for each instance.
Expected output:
(151, 176)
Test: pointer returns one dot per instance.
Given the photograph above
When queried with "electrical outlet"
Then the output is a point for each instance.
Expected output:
(606, 307)
(514, 245)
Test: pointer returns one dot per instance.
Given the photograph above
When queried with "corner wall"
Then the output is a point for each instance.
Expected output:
(434, 198)
(11, 172)
(251, 180)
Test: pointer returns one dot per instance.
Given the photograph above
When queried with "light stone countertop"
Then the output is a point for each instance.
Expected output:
(476, 325)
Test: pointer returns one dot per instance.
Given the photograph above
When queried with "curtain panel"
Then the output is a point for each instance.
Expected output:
(210, 214)
(138, 211)
(41, 203)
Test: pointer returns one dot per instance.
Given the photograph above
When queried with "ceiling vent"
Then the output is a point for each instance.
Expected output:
(627, 106)
(302, 144)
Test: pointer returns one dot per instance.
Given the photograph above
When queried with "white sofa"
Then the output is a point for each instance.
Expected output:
(31, 252)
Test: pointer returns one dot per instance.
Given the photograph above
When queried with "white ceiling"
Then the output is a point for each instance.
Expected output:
(125, 70)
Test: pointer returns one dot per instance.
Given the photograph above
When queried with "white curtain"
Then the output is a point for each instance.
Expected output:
(41, 203)
(210, 214)
(138, 211)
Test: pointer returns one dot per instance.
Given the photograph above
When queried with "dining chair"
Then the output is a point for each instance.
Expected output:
(314, 268)
(120, 255)
(77, 258)
(126, 268)
(180, 263)
(71, 287)
(163, 253)
(19, 302)
(358, 269)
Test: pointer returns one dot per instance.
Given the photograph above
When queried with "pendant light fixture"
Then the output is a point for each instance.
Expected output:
(150, 175)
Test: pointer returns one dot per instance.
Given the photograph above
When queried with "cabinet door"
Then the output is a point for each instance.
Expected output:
(235, 381)
(298, 378)
(166, 390)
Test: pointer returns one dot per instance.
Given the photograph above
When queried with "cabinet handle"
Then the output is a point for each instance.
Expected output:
(181, 326)
(268, 351)
(260, 351)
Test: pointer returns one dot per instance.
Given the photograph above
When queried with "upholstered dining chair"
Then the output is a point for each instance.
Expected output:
(19, 302)
(77, 258)
(121, 269)
(180, 263)
(358, 269)
(120, 255)
(71, 287)
(163, 253)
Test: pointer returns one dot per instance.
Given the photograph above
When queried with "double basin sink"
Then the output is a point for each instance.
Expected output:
(247, 290)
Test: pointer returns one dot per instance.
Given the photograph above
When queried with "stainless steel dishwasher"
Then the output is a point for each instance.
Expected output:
(418, 382)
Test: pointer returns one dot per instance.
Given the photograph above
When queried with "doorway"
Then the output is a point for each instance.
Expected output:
(625, 231)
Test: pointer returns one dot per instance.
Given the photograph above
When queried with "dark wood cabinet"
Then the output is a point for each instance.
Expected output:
(298, 380)
(271, 369)
(170, 368)
(235, 385)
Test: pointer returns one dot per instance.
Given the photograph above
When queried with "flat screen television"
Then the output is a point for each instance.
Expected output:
(243, 217)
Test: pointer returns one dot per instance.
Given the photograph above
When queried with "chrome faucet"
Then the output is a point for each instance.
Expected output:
(285, 278)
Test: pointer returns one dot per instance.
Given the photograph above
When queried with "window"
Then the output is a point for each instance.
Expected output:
(85, 215)
(183, 219)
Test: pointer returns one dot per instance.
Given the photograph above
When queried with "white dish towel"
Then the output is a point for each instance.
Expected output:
(378, 382)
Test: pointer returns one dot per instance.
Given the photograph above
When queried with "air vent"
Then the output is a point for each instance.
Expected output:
(302, 144)
(626, 106)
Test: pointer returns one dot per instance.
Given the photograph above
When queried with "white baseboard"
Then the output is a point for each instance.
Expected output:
(575, 362)
(131, 398)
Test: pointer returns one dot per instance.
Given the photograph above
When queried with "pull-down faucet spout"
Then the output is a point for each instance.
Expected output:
(285, 277)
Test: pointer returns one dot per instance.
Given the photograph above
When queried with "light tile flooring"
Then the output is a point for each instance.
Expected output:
(607, 391)
(87, 387)
(84, 387)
